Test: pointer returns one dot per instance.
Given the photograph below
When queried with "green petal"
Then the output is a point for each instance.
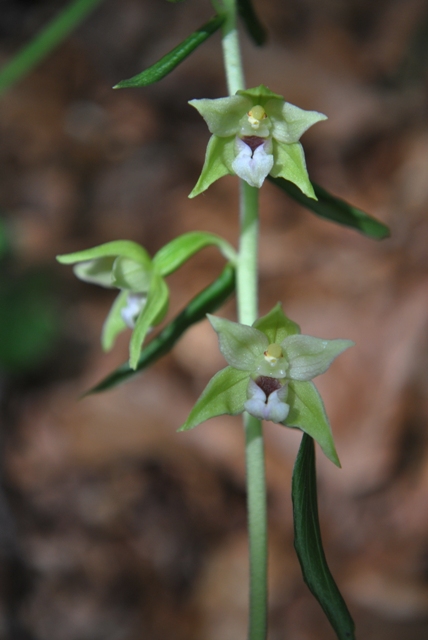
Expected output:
(125, 248)
(308, 414)
(130, 275)
(309, 356)
(96, 271)
(175, 253)
(276, 326)
(114, 323)
(226, 393)
(290, 122)
(241, 345)
(222, 115)
(290, 164)
(152, 312)
(218, 160)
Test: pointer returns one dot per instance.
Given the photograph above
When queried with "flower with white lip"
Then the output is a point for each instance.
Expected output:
(255, 133)
(271, 366)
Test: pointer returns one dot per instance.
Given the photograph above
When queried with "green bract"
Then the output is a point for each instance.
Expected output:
(271, 366)
(255, 133)
(144, 294)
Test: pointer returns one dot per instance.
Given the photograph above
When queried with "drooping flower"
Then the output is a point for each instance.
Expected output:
(255, 133)
(271, 366)
(143, 293)
(143, 296)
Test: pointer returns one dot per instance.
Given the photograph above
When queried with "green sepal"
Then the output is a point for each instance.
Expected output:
(307, 413)
(308, 543)
(290, 122)
(208, 300)
(175, 253)
(276, 326)
(253, 25)
(222, 115)
(225, 393)
(125, 248)
(165, 65)
(152, 313)
(335, 209)
(130, 275)
(290, 164)
(114, 323)
(241, 345)
(218, 163)
(259, 95)
(96, 271)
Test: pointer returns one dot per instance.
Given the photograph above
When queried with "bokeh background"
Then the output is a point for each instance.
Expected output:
(112, 525)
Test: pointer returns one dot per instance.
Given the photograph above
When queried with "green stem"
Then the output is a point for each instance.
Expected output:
(246, 275)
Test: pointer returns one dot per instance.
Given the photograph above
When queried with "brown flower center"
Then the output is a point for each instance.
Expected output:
(268, 385)
(253, 141)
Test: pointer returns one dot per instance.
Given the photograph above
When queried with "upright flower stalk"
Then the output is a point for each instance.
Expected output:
(247, 303)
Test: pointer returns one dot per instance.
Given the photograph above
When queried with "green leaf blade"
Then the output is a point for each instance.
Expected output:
(207, 301)
(252, 23)
(165, 65)
(308, 543)
(335, 209)
(46, 41)
(178, 251)
(308, 414)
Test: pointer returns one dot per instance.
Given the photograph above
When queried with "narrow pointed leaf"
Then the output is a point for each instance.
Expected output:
(172, 59)
(308, 543)
(308, 414)
(208, 300)
(176, 252)
(254, 27)
(157, 299)
(44, 42)
(225, 393)
(335, 209)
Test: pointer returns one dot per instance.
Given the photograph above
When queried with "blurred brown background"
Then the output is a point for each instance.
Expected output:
(112, 525)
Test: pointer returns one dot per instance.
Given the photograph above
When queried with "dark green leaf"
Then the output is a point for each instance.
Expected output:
(334, 209)
(308, 544)
(255, 29)
(207, 301)
(172, 59)
(45, 41)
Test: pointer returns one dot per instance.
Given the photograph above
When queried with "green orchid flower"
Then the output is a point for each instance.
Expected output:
(143, 296)
(255, 133)
(270, 372)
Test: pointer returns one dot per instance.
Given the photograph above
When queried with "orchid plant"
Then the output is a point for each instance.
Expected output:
(255, 135)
